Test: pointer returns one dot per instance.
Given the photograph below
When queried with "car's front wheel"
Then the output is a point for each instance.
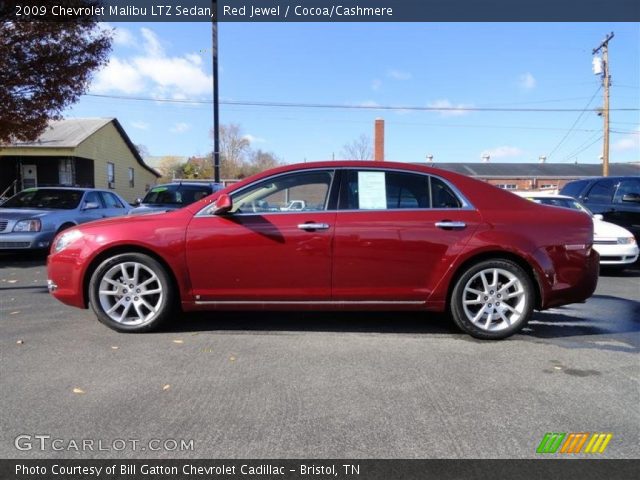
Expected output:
(131, 292)
(492, 299)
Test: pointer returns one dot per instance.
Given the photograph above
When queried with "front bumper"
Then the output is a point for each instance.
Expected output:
(25, 240)
(617, 254)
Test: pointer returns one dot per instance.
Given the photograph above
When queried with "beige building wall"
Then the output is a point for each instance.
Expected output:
(106, 145)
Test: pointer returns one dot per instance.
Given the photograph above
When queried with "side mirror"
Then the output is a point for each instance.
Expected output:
(631, 197)
(223, 204)
(90, 206)
(138, 201)
(598, 216)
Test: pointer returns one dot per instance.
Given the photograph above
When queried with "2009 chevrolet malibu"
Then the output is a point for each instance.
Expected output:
(334, 236)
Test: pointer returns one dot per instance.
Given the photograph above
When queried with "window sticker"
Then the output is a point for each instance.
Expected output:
(159, 189)
(372, 192)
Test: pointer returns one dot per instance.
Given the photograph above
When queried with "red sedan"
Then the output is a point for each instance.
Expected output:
(334, 236)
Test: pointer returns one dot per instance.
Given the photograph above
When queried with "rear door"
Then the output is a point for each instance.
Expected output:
(261, 252)
(396, 234)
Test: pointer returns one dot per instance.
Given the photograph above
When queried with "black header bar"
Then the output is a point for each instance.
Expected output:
(318, 469)
(326, 10)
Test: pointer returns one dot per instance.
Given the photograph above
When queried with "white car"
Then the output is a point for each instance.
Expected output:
(616, 245)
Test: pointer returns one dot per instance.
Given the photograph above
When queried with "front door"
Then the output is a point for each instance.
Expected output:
(264, 250)
(29, 176)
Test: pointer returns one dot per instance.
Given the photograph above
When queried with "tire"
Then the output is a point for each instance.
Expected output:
(492, 299)
(125, 309)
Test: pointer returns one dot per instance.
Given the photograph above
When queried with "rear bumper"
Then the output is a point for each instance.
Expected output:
(573, 279)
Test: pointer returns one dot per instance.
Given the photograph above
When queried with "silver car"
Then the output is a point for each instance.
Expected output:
(30, 219)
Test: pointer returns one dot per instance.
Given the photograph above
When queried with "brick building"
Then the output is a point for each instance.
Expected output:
(535, 176)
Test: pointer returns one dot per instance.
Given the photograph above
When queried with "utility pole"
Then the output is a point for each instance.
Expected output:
(216, 116)
(606, 81)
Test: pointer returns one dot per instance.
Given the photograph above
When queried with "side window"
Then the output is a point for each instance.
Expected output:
(572, 189)
(601, 192)
(111, 201)
(298, 192)
(93, 197)
(442, 196)
(378, 190)
(631, 185)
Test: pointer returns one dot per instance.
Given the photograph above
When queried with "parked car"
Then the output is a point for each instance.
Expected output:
(617, 199)
(171, 196)
(372, 236)
(617, 246)
(31, 218)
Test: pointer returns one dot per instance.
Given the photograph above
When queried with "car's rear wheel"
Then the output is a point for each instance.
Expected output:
(493, 299)
(131, 292)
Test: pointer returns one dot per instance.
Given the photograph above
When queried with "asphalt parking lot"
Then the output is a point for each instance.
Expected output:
(296, 385)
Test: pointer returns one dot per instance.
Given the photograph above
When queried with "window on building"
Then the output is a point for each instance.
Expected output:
(507, 186)
(548, 186)
(131, 177)
(66, 171)
(111, 174)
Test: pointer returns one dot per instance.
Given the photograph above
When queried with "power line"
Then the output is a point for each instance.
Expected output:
(590, 138)
(585, 148)
(249, 103)
(566, 135)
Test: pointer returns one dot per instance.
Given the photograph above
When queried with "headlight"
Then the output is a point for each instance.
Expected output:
(626, 240)
(66, 239)
(28, 226)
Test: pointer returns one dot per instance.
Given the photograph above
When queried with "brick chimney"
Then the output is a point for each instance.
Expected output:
(378, 140)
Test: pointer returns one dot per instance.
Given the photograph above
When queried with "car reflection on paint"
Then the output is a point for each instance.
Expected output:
(371, 236)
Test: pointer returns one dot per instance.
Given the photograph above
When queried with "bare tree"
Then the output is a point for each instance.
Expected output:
(358, 149)
(234, 147)
(259, 161)
(169, 168)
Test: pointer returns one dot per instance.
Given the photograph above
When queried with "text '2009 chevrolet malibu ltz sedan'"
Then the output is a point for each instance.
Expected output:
(363, 236)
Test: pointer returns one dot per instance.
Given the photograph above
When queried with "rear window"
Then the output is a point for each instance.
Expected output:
(176, 194)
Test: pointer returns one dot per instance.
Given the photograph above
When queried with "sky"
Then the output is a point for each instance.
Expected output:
(460, 65)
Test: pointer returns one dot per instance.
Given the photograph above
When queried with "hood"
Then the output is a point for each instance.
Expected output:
(124, 220)
(22, 213)
(151, 208)
(602, 229)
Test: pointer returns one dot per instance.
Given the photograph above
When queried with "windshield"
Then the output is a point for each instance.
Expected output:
(176, 194)
(562, 202)
(45, 198)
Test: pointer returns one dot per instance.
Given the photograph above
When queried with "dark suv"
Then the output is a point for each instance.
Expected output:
(617, 199)
(171, 196)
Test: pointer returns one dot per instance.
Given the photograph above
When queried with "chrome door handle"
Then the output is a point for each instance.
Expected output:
(313, 226)
(445, 224)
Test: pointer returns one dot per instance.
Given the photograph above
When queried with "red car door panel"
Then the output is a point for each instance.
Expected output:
(260, 257)
(396, 254)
